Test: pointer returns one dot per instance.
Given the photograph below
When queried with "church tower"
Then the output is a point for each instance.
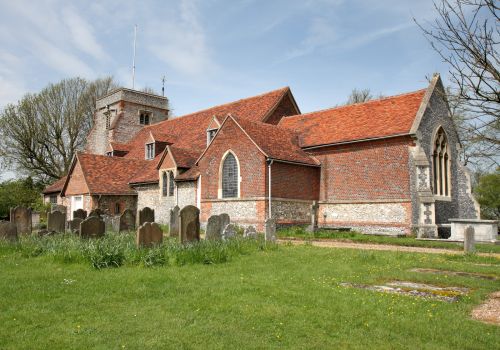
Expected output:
(120, 114)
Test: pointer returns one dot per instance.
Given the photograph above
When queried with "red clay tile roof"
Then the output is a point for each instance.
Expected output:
(110, 175)
(378, 118)
(55, 187)
(189, 175)
(119, 146)
(276, 142)
(184, 158)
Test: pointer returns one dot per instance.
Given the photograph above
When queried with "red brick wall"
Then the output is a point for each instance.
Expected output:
(252, 163)
(76, 184)
(373, 170)
(285, 107)
(294, 181)
(167, 162)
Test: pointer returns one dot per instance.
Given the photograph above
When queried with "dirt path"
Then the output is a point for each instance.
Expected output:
(386, 247)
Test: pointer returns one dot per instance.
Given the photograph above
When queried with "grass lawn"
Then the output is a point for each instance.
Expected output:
(301, 233)
(287, 297)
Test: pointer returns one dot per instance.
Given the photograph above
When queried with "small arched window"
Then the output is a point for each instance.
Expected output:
(171, 183)
(229, 181)
(164, 183)
(441, 164)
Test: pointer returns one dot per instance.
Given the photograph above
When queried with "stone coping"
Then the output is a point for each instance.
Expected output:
(474, 221)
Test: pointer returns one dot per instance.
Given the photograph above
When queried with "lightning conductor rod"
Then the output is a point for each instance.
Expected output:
(133, 60)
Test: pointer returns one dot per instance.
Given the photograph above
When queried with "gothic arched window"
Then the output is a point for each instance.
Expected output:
(229, 177)
(441, 164)
(164, 184)
(170, 183)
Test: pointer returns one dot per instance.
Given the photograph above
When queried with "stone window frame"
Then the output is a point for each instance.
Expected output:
(441, 164)
(117, 208)
(171, 183)
(149, 151)
(142, 114)
(53, 199)
(164, 183)
(211, 134)
(167, 182)
(221, 175)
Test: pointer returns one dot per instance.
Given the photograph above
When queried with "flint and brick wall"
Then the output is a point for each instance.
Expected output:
(151, 196)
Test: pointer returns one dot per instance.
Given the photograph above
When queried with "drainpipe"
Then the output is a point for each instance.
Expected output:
(269, 163)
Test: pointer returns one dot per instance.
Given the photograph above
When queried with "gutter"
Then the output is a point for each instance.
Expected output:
(358, 141)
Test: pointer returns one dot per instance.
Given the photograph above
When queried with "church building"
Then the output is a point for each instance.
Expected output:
(389, 165)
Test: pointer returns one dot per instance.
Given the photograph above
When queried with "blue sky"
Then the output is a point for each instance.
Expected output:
(217, 51)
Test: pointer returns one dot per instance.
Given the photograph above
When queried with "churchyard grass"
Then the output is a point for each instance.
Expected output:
(352, 236)
(284, 297)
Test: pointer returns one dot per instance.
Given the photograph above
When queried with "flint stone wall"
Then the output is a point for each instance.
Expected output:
(151, 196)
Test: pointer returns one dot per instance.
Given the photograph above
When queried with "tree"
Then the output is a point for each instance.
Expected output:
(43, 131)
(488, 195)
(23, 192)
(466, 35)
(358, 96)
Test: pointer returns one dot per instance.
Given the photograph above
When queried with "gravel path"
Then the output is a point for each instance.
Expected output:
(386, 247)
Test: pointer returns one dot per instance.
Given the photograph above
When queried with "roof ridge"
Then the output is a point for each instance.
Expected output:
(354, 104)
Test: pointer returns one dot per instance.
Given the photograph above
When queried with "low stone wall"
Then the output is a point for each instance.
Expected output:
(372, 218)
(291, 212)
(484, 230)
(243, 212)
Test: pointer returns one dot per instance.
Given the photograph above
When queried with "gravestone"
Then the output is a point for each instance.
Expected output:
(74, 225)
(92, 227)
(96, 212)
(56, 221)
(8, 230)
(270, 230)
(57, 207)
(174, 222)
(148, 235)
(229, 231)
(189, 224)
(21, 217)
(250, 232)
(35, 219)
(469, 240)
(127, 221)
(314, 217)
(224, 221)
(213, 231)
(146, 214)
(80, 214)
(112, 223)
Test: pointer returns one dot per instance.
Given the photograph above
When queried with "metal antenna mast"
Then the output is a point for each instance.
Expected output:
(163, 86)
(133, 60)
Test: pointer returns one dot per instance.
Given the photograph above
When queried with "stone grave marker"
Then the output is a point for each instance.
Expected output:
(58, 207)
(270, 230)
(96, 212)
(229, 231)
(21, 217)
(92, 227)
(74, 225)
(146, 214)
(213, 231)
(250, 232)
(224, 221)
(148, 235)
(127, 221)
(80, 214)
(314, 217)
(174, 222)
(8, 230)
(189, 224)
(112, 223)
(56, 221)
(469, 240)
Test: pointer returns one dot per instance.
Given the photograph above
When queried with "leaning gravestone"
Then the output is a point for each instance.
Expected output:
(213, 231)
(74, 225)
(270, 230)
(92, 227)
(127, 221)
(146, 214)
(80, 214)
(56, 221)
(148, 235)
(250, 232)
(96, 212)
(21, 217)
(224, 221)
(8, 230)
(469, 240)
(229, 231)
(57, 207)
(189, 224)
(174, 222)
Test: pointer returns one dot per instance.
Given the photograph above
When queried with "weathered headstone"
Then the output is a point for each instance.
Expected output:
(80, 214)
(92, 227)
(229, 231)
(8, 230)
(250, 232)
(35, 219)
(112, 223)
(96, 212)
(213, 231)
(314, 217)
(189, 224)
(21, 217)
(224, 221)
(148, 235)
(270, 230)
(469, 240)
(127, 221)
(56, 221)
(58, 207)
(74, 225)
(146, 214)
(174, 222)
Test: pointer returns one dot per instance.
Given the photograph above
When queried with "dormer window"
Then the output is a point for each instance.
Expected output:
(211, 134)
(150, 151)
(109, 154)
(144, 117)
